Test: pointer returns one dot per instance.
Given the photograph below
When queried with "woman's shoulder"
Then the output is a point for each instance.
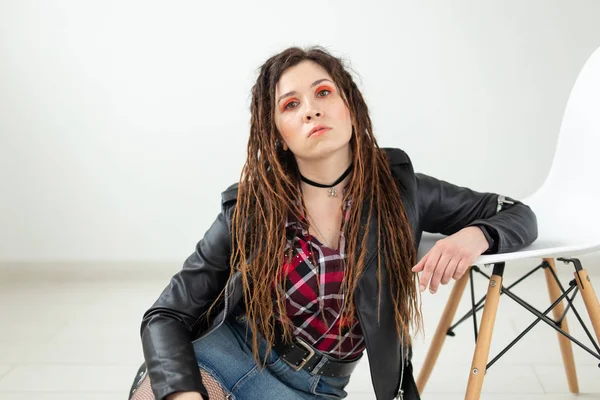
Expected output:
(396, 156)
(230, 194)
(401, 167)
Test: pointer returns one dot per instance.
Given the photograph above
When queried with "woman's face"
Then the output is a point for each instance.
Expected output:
(306, 97)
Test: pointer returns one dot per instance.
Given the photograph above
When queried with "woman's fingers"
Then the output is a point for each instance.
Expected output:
(463, 266)
(450, 270)
(429, 269)
(421, 264)
(449, 259)
(438, 273)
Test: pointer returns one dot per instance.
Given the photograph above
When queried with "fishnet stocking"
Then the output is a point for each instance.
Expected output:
(215, 391)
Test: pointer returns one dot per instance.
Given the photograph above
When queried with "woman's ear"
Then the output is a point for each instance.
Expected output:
(279, 142)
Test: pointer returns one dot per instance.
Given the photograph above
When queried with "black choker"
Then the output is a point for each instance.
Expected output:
(331, 187)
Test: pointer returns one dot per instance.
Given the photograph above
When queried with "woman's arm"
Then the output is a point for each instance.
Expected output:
(170, 325)
(474, 225)
(446, 208)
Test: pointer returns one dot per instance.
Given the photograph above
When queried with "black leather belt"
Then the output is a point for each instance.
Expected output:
(300, 355)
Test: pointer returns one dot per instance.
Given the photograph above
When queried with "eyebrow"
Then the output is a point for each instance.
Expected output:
(315, 83)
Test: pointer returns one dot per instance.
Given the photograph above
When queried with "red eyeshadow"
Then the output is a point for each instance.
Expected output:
(325, 87)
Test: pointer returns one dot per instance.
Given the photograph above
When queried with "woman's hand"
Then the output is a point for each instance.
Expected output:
(185, 396)
(450, 257)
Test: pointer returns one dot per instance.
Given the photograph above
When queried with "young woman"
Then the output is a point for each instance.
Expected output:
(312, 259)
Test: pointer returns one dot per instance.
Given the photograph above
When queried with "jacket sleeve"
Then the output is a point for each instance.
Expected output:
(446, 208)
(173, 322)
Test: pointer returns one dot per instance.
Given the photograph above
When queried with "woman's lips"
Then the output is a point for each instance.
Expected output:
(319, 132)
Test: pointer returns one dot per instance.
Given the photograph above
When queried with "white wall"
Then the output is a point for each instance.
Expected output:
(121, 122)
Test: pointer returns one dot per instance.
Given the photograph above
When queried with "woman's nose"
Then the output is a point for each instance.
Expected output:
(311, 113)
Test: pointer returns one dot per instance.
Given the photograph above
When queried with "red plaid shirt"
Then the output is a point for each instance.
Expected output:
(310, 301)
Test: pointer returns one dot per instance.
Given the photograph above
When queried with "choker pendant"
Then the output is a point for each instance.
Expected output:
(332, 191)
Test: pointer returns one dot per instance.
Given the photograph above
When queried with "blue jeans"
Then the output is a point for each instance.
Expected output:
(226, 354)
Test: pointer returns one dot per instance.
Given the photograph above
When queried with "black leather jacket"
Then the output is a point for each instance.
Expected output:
(179, 315)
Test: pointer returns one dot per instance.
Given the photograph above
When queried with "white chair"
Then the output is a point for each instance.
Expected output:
(566, 206)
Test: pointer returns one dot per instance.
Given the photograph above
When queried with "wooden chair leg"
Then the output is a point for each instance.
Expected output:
(566, 347)
(484, 339)
(589, 298)
(440, 332)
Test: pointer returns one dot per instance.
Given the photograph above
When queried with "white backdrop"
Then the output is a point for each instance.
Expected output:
(122, 121)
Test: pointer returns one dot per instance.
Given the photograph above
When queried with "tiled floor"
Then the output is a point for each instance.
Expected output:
(76, 336)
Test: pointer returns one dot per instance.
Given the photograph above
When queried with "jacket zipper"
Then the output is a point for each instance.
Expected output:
(400, 394)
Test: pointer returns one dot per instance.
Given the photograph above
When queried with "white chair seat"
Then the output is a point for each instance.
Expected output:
(564, 230)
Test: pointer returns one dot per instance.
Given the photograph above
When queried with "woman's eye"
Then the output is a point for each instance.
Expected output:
(287, 106)
(324, 90)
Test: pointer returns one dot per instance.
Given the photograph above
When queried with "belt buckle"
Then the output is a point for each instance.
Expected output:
(311, 353)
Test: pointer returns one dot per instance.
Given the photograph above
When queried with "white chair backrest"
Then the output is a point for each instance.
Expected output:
(567, 202)
(576, 164)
